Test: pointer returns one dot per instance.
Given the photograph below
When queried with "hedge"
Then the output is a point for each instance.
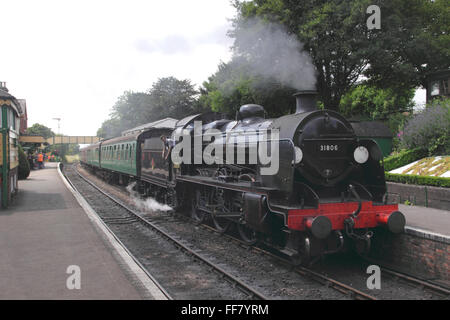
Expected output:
(422, 180)
(403, 158)
(24, 167)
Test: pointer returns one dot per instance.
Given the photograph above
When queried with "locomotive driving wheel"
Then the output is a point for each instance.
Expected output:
(221, 224)
(248, 235)
(197, 214)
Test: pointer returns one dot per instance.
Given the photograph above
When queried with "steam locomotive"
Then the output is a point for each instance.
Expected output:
(304, 183)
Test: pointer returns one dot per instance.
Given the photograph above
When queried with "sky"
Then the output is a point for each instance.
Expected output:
(72, 59)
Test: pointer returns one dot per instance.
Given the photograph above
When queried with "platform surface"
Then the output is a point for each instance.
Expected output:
(43, 233)
(427, 219)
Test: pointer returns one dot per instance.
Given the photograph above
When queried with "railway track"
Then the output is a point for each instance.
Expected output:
(423, 284)
(134, 217)
(323, 279)
(340, 286)
(326, 281)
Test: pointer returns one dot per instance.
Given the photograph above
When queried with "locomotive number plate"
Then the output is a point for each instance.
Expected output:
(329, 147)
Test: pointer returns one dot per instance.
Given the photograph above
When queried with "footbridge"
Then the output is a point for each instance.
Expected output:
(59, 139)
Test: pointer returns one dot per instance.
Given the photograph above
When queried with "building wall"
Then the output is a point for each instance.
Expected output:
(9, 151)
(426, 196)
(414, 252)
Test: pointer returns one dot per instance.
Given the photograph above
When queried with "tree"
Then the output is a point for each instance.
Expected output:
(234, 85)
(168, 97)
(111, 128)
(413, 40)
(131, 109)
(40, 130)
(373, 103)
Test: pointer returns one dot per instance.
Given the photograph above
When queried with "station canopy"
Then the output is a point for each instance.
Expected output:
(163, 123)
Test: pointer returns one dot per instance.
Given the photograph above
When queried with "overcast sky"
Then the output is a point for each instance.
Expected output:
(72, 59)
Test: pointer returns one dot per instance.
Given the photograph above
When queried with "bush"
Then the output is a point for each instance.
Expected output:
(396, 122)
(403, 158)
(24, 166)
(375, 103)
(422, 180)
(429, 129)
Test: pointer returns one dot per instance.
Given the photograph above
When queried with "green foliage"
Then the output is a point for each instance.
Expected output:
(412, 42)
(421, 180)
(403, 158)
(24, 166)
(168, 97)
(430, 129)
(232, 86)
(40, 130)
(396, 123)
(112, 128)
(375, 103)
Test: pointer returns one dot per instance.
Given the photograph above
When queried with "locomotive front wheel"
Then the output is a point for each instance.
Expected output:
(221, 224)
(247, 234)
(362, 247)
(304, 250)
(196, 214)
(171, 199)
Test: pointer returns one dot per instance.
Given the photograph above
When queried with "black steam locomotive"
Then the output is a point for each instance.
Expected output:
(303, 182)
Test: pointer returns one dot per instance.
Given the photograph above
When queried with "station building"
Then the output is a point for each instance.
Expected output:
(10, 115)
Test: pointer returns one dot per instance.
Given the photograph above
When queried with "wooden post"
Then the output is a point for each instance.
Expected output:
(4, 155)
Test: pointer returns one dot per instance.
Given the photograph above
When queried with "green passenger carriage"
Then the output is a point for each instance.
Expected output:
(119, 154)
(91, 155)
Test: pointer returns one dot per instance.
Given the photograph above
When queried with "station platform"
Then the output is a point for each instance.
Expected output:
(427, 219)
(43, 234)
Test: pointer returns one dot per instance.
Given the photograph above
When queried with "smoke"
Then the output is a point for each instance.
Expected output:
(274, 53)
(148, 204)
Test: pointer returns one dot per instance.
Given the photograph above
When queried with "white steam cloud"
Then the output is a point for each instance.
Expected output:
(147, 204)
(274, 53)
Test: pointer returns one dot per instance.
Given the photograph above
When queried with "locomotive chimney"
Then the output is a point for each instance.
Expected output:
(306, 100)
(3, 86)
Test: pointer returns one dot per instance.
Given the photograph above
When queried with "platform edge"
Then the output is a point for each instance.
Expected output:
(147, 282)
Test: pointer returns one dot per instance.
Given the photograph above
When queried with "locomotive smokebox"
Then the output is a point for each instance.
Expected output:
(306, 101)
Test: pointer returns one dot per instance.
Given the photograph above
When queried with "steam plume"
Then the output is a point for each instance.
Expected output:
(147, 204)
(274, 53)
